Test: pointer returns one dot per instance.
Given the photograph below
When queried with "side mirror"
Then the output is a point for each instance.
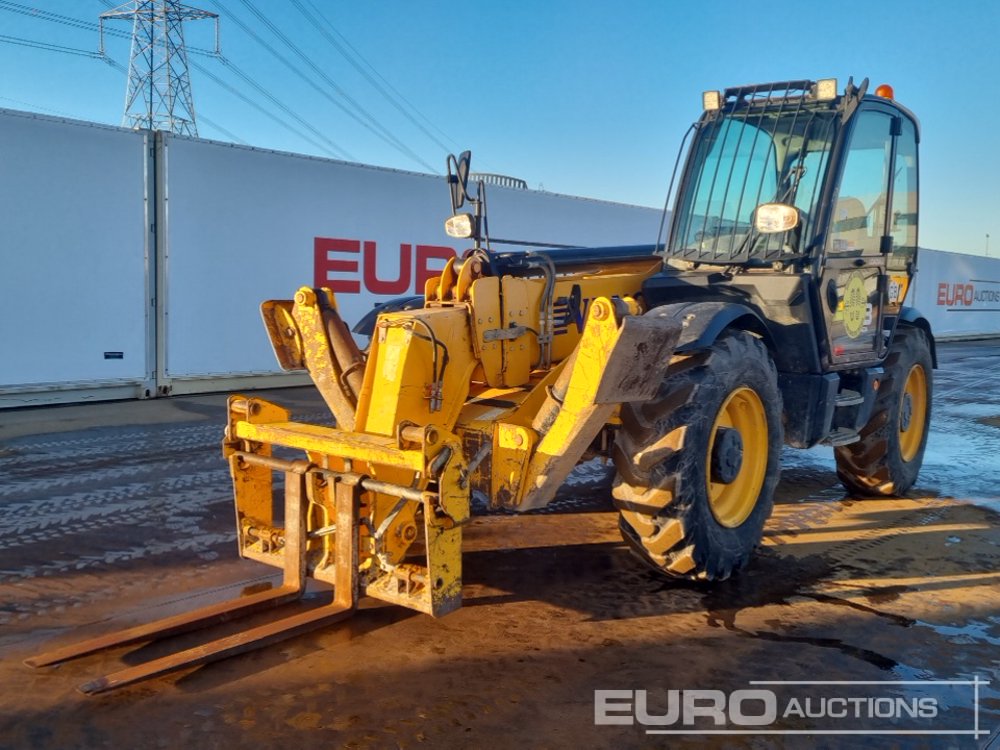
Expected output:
(459, 179)
(770, 218)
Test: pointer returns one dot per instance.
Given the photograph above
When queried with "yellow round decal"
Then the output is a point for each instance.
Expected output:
(855, 305)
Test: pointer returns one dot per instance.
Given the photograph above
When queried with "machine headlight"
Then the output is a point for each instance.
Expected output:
(462, 226)
(775, 217)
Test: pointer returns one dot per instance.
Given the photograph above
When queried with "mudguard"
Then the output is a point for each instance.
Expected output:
(910, 316)
(702, 322)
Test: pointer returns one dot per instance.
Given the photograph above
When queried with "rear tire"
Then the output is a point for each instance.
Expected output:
(887, 459)
(698, 464)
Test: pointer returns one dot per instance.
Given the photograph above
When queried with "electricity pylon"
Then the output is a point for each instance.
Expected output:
(158, 95)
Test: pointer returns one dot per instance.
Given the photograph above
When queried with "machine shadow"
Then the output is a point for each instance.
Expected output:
(605, 581)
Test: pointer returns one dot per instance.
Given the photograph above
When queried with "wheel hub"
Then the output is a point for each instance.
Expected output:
(737, 457)
(906, 412)
(727, 455)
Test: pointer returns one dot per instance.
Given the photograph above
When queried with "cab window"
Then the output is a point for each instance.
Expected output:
(858, 221)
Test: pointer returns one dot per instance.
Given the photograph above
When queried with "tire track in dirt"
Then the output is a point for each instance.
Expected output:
(138, 511)
(29, 454)
(18, 518)
(22, 491)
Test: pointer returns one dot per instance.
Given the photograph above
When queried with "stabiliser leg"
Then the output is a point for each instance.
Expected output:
(343, 604)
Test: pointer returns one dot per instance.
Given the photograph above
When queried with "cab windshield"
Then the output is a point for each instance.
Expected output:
(741, 160)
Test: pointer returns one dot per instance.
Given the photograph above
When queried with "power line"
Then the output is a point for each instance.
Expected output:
(37, 107)
(49, 46)
(361, 57)
(43, 15)
(232, 136)
(114, 64)
(365, 119)
(281, 58)
(372, 125)
(79, 23)
(229, 16)
(63, 50)
(122, 69)
(235, 92)
(39, 13)
(355, 58)
(249, 80)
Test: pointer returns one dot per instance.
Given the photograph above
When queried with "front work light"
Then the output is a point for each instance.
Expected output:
(775, 217)
(711, 100)
(462, 226)
(826, 89)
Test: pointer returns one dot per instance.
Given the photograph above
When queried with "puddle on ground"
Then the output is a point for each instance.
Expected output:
(974, 631)
(764, 584)
(925, 683)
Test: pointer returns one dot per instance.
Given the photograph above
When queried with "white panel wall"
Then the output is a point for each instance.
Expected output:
(959, 294)
(72, 244)
(247, 225)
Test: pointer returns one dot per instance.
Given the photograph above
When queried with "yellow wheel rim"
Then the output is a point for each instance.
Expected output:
(912, 413)
(731, 502)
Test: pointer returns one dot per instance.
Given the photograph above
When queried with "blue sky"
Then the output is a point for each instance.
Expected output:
(587, 98)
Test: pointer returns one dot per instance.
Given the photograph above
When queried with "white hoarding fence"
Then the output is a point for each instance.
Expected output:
(959, 294)
(74, 237)
(134, 264)
(246, 225)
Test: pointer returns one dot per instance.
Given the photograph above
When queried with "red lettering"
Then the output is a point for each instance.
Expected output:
(324, 265)
(426, 253)
(344, 275)
(956, 294)
(374, 284)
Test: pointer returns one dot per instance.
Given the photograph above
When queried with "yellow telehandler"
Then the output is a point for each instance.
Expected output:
(772, 314)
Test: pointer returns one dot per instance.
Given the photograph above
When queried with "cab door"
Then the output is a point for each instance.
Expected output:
(854, 275)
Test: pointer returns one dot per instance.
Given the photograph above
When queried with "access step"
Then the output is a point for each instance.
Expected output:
(842, 436)
(848, 397)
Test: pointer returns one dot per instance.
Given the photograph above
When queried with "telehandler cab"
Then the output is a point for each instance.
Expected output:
(772, 314)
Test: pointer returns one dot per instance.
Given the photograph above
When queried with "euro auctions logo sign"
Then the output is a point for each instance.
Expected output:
(914, 707)
(976, 294)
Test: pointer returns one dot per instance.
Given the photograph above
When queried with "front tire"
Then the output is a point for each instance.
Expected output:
(698, 464)
(887, 459)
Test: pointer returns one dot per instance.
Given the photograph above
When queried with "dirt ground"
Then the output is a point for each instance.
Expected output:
(114, 514)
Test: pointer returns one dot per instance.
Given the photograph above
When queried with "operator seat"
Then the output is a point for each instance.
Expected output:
(849, 233)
